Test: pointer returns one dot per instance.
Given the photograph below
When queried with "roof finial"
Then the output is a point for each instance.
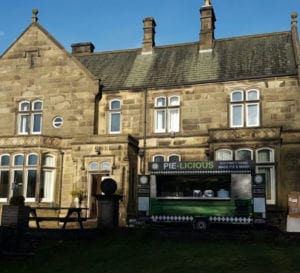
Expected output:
(34, 15)
(207, 3)
(294, 17)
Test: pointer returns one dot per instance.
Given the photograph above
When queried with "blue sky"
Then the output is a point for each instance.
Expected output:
(117, 24)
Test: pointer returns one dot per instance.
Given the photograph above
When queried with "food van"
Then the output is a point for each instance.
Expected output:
(203, 192)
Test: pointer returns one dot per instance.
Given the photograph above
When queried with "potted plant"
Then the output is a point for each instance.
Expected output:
(16, 214)
(78, 196)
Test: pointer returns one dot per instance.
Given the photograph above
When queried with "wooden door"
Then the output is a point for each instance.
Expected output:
(95, 189)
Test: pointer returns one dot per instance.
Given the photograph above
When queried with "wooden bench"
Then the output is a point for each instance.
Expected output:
(66, 219)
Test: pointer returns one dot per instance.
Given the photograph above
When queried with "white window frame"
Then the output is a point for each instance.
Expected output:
(243, 149)
(271, 166)
(241, 92)
(272, 200)
(160, 120)
(36, 112)
(17, 168)
(48, 167)
(27, 114)
(5, 168)
(30, 167)
(114, 112)
(160, 113)
(105, 166)
(247, 115)
(158, 156)
(94, 166)
(219, 154)
(174, 155)
(272, 155)
(167, 114)
(241, 124)
(250, 91)
(172, 102)
(57, 122)
(245, 102)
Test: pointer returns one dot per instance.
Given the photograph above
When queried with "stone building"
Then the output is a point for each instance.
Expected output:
(70, 119)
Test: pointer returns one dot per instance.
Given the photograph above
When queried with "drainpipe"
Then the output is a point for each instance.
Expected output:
(61, 176)
(144, 132)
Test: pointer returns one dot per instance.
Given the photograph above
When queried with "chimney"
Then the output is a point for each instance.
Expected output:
(80, 48)
(149, 35)
(208, 20)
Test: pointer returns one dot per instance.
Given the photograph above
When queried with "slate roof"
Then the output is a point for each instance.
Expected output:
(246, 57)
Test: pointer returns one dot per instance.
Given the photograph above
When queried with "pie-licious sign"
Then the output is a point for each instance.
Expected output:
(202, 166)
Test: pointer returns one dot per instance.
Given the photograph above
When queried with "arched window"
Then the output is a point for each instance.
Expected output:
(252, 95)
(174, 158)
(224, 154)
(264, 155)
(94, 166)
(166, 114)
(244, 154)
(46, 191)
(30, 117)
(5, 160)
(265, 163)
(18, 160)
(158, 158)
(30, 177)
(4, 178)
(115, 116)
(105, 166)
(244, 110)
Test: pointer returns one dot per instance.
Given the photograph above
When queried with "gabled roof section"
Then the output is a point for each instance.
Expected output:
(246, 57)
(35, 24)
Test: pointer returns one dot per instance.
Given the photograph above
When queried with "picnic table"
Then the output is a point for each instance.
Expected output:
(69, 217)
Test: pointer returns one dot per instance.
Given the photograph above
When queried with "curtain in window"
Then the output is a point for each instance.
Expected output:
(174, 120)
(252, 115)
(160, 120)
(224, 155)
(46, 189)
(24, 124)
(263, 156)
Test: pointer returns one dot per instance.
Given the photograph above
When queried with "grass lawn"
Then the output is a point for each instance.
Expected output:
(147, 252)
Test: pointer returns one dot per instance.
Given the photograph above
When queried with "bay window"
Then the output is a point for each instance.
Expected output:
(20, 175)
(265, 163)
